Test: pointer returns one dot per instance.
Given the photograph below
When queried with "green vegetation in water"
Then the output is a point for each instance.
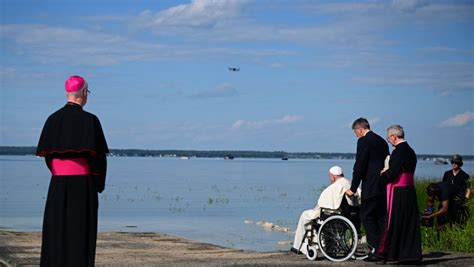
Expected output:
(451, 238)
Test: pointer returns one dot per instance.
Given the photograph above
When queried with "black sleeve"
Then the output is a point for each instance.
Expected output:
(47, 159)
(446, 176)
(466, 180)
(98, 162)
(98, 165)
(43, 139)
(395, 167)
(360, 165)
(100, 142)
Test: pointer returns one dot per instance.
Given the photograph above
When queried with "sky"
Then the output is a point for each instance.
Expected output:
(158, 71)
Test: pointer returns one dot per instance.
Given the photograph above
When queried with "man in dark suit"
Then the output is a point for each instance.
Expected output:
(371, 153)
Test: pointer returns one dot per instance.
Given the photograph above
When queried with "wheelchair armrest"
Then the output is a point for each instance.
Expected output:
(330, 211)
(325, 213)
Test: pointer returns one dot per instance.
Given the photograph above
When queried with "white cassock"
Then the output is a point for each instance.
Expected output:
(330, 198)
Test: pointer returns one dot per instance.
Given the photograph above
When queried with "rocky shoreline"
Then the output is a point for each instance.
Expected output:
(155, 249)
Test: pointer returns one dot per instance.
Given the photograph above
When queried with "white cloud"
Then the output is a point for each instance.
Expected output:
(12, 78)
(195, 14)
(444, 49)
(442, 76)
(374, 121)
(409, 5)
(458, 120)
(223, 90)
(277, 65)
(72, 46)
(352, 37)
(77, 46)
(287, 119)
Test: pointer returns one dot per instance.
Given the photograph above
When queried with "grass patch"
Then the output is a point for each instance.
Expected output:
(455, 238)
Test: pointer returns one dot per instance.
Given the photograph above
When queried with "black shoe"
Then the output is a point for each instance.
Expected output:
(294, 250)
(371, 258)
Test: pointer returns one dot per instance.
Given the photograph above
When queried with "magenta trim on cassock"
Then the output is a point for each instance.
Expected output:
(405, 179)
(73, 166)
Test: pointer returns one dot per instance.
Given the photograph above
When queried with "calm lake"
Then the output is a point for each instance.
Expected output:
(210, 200)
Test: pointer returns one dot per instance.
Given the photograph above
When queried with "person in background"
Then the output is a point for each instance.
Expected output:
(74, 147)
(401, 238)
(330, 198)
(450, 209)
(372, 151)
(458, 177)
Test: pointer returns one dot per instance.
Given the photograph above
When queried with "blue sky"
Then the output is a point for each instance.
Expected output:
(159, 79)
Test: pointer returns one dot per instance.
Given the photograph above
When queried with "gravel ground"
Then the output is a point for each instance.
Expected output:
(155, 249)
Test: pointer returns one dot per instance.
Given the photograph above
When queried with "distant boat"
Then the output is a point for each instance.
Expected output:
(284, 158)
(440, 161)
(229, 157)
(184, 157)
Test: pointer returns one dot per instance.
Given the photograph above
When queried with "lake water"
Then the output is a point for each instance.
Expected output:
(202, 199)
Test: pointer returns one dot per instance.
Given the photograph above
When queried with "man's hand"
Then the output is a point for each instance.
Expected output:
(349, 192)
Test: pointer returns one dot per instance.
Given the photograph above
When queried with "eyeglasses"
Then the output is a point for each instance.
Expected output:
(454, 162)
(88, 91)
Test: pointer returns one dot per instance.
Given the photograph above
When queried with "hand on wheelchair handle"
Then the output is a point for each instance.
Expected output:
(349, 193)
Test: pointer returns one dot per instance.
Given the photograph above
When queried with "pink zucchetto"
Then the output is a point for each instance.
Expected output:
(75, 83)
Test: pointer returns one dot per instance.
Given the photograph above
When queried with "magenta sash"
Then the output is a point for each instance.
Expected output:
(74, 166)
(404, 179)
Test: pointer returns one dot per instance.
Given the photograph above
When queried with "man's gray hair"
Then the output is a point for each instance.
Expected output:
(396, 130)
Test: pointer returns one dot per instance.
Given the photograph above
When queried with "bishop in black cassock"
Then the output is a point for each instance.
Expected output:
(74, 147)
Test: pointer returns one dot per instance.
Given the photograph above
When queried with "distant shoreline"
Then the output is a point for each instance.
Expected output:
(30, 150)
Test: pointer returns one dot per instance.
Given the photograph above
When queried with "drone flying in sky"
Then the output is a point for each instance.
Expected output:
(233, 69)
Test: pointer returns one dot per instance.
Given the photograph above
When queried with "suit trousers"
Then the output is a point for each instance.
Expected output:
(372, 216)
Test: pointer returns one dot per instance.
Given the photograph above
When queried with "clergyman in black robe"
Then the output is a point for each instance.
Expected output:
(74, 147)
(401, 239)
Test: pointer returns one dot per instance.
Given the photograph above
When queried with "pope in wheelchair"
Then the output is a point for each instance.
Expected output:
(333, 226)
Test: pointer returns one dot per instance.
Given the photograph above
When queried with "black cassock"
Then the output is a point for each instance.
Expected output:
(401, 239)
(70, 216)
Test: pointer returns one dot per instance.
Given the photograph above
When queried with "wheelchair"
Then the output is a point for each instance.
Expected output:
(336, 234)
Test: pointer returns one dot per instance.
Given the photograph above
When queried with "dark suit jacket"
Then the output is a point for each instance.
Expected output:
(371, 153)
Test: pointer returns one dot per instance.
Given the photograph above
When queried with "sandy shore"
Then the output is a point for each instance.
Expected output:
(155, 249)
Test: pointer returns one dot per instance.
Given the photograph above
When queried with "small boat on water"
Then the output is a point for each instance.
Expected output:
(284, 158)
(184, 157)
(229, 157)
(440, 161)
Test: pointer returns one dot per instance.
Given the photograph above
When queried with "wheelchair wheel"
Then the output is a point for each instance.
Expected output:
(337, 238)
(312, 253)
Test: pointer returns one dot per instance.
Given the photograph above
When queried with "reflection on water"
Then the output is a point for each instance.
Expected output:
(202, 199)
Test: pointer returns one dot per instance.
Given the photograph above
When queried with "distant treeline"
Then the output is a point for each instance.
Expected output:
(30, 150)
